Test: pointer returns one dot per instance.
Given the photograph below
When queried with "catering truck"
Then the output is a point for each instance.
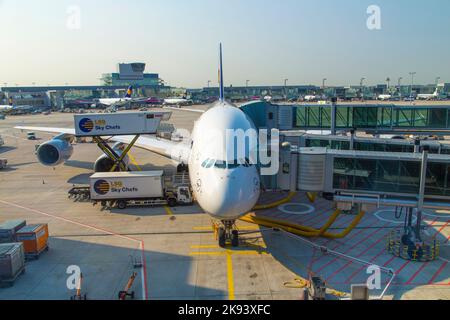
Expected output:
(136, 188)
(123, 123)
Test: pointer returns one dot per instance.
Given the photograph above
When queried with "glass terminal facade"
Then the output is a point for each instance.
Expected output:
(372, 117)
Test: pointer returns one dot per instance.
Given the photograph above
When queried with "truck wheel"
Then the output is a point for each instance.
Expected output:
(172, 202)
(121, 204)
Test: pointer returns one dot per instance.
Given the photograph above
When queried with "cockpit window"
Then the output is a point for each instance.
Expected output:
(221, 164)
(208, 163)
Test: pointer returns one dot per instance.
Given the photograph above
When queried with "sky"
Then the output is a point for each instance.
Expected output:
(265, 41)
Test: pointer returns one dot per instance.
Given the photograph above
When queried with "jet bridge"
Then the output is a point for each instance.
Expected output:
(354, 142)
(407, 181)
(392, 178)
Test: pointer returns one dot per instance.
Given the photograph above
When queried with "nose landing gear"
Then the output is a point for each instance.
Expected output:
(228, 232)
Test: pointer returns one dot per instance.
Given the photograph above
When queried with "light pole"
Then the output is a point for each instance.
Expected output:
(361, 87)
(285, 88)
(412, 74)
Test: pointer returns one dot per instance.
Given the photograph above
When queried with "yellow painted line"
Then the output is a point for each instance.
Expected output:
(221, 253)
(168, 211)
(203, 228)
(133, 161)
(207, 246)
(207, 253)
(230, 279)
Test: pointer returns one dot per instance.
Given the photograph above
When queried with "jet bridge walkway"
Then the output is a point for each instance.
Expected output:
(408, 181)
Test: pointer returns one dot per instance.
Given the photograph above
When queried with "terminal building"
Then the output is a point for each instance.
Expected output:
(114, 85)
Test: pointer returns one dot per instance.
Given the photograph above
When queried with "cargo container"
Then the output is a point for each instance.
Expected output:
(8, 230)
(12, 262)
(123, 123)
(138, 188)
(34, 238)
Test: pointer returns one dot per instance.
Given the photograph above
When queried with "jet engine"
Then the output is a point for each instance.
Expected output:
(105, 164)
(55, 151)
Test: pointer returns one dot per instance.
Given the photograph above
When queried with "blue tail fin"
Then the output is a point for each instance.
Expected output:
(221, 93)
(129, 92)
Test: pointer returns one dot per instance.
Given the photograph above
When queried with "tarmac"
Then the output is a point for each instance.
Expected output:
(174, 251)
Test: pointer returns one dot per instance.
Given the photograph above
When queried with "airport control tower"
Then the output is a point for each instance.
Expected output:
(131, 74)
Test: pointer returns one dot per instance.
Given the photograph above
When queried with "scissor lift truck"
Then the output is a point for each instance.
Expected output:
(100, 125)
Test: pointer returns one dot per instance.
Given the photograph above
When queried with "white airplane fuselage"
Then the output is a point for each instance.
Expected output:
(226, 192)
(384, 97)
(176, 101)
(113, 101)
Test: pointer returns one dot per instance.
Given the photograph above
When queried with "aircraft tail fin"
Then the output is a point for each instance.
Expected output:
(129, 92)
(221, 90)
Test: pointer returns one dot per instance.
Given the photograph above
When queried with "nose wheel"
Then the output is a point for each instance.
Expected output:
(228, 232)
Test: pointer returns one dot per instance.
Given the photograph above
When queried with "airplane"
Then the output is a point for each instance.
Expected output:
(6, 108)
(384, 97)
(428, 96)
(225, 188)
(177, 101)
(118, 102)
(310, 98)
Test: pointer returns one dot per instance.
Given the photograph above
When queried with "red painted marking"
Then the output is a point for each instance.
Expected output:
(402, 267)
(416, 273)
(339, 270)
(141, 242)
(319, 258)
(349, 249)
(360, 269)
(389, 261)
(440, 229)
(437, 272)
(316, 216)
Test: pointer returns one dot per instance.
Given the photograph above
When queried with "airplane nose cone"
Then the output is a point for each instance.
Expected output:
(233, 195)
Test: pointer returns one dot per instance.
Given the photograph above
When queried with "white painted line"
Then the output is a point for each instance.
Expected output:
(377, 214)
(309, 208)
(141, 242)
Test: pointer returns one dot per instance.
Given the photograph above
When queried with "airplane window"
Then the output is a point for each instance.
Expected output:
(220, 164)
(204, 163)
(210, 163)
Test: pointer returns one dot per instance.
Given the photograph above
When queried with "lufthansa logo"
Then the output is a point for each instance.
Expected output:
(86, 125)
(101, 187)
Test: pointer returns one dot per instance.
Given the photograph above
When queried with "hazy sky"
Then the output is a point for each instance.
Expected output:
(264, 41)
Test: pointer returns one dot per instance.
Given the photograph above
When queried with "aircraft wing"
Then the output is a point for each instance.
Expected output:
(48, 129)
(186, 109)
(178, 151)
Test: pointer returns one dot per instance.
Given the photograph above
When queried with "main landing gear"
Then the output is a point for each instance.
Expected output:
(228, 232)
